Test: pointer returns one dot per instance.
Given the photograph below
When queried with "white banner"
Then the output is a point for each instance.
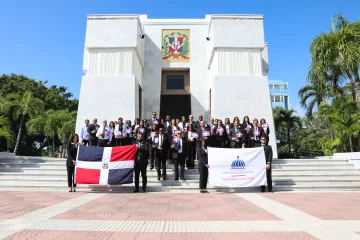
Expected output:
(237, 167)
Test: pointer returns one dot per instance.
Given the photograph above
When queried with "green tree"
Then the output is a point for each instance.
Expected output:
(23, 105)
(344, 116)
(287, 120)
(338, 53)
(5, 132)
(53, 124)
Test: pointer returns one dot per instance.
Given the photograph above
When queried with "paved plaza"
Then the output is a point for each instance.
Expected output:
(180, 215)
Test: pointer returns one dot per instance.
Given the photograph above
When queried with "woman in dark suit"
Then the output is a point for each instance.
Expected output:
(265, 126)
(220, 135)
(203, 165)
(71, 160)
(190, 142)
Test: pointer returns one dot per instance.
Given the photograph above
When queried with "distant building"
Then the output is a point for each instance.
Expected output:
(279, 92)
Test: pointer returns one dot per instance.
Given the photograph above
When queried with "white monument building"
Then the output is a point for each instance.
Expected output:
(215, 67)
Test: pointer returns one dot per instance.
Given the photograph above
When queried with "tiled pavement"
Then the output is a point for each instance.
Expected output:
(186, 215)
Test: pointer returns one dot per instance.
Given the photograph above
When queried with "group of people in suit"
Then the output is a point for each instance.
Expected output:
(178, 140)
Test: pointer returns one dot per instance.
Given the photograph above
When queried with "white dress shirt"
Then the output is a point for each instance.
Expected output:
(107, 131)
(120, 134)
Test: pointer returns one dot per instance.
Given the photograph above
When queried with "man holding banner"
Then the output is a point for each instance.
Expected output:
(268, 159)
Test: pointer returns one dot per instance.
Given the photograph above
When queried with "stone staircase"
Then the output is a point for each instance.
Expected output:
(45, 174)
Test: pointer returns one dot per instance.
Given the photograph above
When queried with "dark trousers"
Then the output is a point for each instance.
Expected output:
(269, 181)
(103, 143)
(93, 142)
(160, 161)
(204, 173)
(71, 177)
(119, 142)
(190, 163)
(152, 157)
(86, 142)
(220, 143)
(140, 168)
(179, 160)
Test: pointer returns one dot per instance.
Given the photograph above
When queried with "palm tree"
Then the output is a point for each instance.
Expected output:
(344, 117)
(23, 105)
(338, 53)
(5, 131)
(287, 119)
(53, 124)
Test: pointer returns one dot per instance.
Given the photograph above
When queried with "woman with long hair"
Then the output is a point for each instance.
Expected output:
(220, 135)
(203, 165)
(190, 140)
(113, 139)
(71, 148)
(266, 129)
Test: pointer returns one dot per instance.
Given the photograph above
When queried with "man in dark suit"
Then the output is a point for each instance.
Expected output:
(255, 134)
(236, 136)
(141, 161)
(161, 145)
(268, 160)
(155, 120)
(178, 149)
(167, 123)
(197, 123)
(201, 132)
(203, 166)
(92, 130)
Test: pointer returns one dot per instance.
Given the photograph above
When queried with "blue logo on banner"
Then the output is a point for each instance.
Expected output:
(238, 164)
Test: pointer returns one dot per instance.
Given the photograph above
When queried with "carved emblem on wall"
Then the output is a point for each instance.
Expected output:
(176, 45)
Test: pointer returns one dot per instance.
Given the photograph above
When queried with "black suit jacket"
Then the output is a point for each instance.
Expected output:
(200, 132)
(165, 142)
(175, 153)
(142, 154)
(197, 125)
(92, 127)
(202, 156)
(71, 149)
(232, 134)
(268, 154)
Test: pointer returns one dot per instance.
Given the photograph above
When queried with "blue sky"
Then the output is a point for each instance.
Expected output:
(44, 40)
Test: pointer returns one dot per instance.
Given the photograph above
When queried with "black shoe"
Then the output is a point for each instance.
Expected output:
(202, 191)
(206, 191)
(151, 168)
(164, 178)
(176, 179)
(144, 191)
(182, 179)
(158, 178)
(262, 190)
(270, 190)
(136, 190)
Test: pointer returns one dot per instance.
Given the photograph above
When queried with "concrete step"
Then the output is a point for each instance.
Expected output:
(313, 168)
(318, 183)
(280, 188)
(304, 164)
(295, 173)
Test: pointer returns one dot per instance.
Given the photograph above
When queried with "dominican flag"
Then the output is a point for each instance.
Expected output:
(141, 130)
(239, 134)
(155, 121)
(194, 135)
(248, 126)
(206, 134)
(105, 165)
(265, 126)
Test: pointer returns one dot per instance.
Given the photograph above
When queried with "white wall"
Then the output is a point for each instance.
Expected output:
(238, 32)
(106, 98)
(235, 96)
(199, 74)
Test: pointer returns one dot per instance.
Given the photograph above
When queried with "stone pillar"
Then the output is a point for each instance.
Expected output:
(238, 65)
(113, 63)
